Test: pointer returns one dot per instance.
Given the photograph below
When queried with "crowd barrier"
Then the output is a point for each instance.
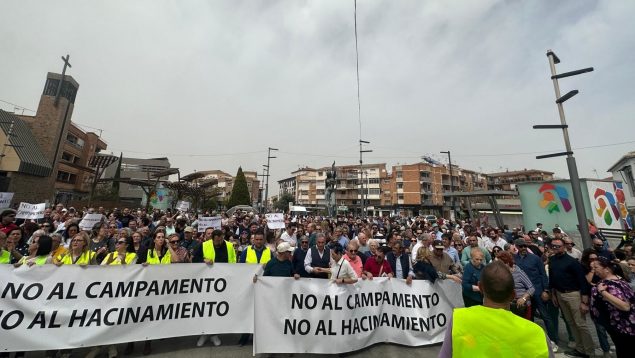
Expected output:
(50, 307)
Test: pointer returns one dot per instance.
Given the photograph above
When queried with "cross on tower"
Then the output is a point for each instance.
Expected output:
(59, 86)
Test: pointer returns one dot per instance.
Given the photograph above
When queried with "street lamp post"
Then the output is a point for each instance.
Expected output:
(362, 204)
(571, 163)
(269, 157)
(451, 183)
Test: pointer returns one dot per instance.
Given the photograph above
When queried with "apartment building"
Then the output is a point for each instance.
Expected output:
(507, 180)
(226, 183)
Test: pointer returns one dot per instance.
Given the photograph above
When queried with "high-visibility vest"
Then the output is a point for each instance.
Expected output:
(130, 256)
(84, 259)
(210, 254)
(252, 258)
(39, 260)
(480, 331)
(154, 259)
(5, 257)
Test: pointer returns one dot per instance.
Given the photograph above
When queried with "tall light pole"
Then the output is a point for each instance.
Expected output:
(362, 204)
(451, 182)
(571, 163)
(269, 157)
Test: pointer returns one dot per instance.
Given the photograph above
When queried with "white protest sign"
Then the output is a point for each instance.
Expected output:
(50, 307)
(204, 222)
(183, 205)
(5, 200)
(89, 221)
(322, 317)
(275, 221)
(30, 211)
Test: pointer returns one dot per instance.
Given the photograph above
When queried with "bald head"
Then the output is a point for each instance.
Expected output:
(497, 283)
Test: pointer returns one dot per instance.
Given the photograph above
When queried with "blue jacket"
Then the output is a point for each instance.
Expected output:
(534, 268)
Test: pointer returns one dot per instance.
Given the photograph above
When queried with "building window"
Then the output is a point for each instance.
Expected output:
(65, 177)
(399, 185)
(399, 174)
(67, 157)
(373, 180)
(400, 197)
(72, 139)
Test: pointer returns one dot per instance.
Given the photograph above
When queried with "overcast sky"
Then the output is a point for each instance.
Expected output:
(212, 84)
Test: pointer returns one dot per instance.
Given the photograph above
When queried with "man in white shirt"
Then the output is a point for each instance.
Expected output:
(571, 250)
(289, 235)
(492, 239)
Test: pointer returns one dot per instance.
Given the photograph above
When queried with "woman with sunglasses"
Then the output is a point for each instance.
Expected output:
(161, 251)
(123, 255)
(39, 252)
(612, 305)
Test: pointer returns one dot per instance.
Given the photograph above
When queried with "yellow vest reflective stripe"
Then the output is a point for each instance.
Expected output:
(154, 259)
(210, 254)
(5, 257)
(39, 260)
(481, 331)
(84, 259)
(251, 257)
(129, 257)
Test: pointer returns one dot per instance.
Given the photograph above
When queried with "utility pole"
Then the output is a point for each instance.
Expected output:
(261, 187)
(362, 204)
(571, 163)
(269, 157)
(451, 182)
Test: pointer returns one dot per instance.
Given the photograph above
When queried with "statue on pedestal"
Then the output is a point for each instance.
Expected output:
(329, 192)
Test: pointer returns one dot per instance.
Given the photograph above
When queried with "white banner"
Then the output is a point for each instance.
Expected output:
(5, 200)
(30, 211)
(183, 205)
(50, 307)
(317, 316)
(89, 221)
(205, 222)
(275, 221)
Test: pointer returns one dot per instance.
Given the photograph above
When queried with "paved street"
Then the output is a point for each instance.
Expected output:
(186, 347)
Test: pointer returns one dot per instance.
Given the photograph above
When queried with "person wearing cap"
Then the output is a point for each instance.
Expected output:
(377, 266)
(443, 263)
(534, 268)
(341, 270)
(507, 335)
(188, 241)
(280, 265)
(7, 222)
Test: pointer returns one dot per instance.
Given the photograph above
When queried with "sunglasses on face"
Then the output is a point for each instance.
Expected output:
(352, 251)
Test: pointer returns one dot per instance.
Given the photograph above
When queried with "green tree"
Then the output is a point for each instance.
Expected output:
(240, 191)
(283, 201)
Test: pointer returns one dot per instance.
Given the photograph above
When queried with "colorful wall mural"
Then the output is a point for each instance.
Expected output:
(552, 203)
(608, 204)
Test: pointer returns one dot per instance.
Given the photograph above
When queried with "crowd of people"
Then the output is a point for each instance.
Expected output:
(551, 277)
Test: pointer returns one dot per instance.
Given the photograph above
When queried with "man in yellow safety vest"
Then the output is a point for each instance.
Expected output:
(507, 335)
(257, 252)
(215, 250)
